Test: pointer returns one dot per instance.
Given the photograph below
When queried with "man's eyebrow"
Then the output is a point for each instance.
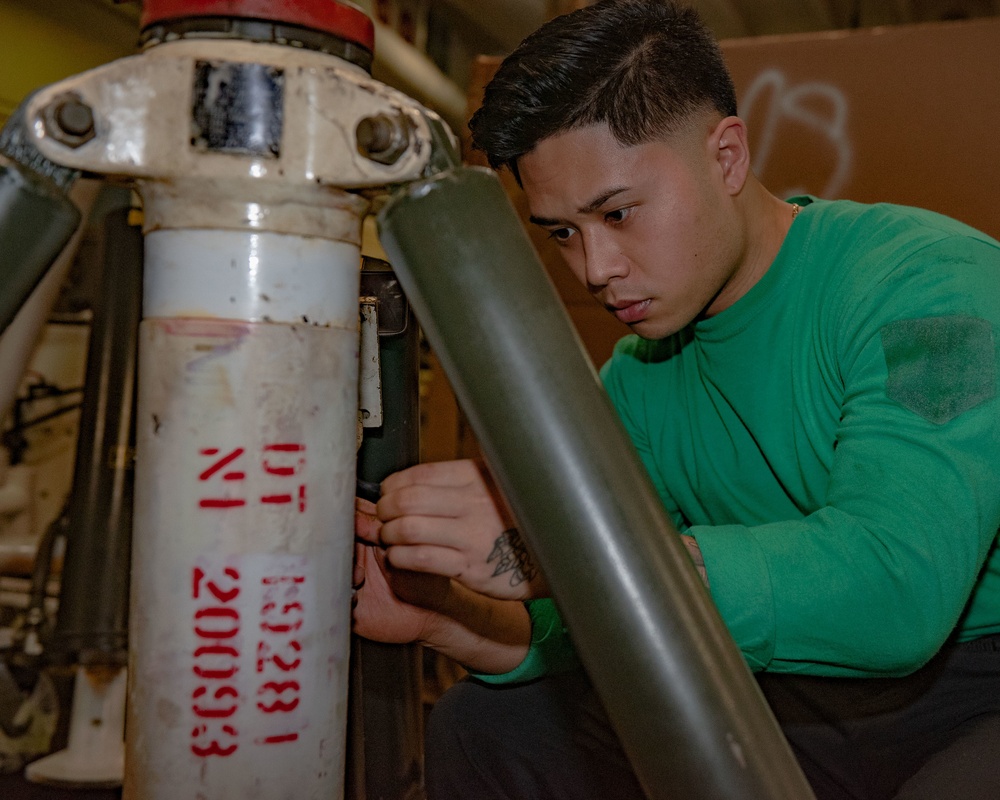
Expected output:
(600, 200)
(545, 222)
(588, 208)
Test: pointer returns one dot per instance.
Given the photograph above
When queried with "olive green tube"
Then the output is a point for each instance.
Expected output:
(686, 708)
(36, 222)
(37, 218)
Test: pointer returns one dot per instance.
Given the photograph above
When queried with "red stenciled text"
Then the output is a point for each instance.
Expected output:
(226, 472)
(215, 698)
(279, 655)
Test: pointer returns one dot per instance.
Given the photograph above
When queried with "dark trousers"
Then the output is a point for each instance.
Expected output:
(934, 735)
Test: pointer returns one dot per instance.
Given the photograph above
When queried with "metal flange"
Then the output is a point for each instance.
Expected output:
(181, 109)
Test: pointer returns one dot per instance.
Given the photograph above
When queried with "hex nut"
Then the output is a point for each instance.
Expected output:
(69, 120)
(383, 138)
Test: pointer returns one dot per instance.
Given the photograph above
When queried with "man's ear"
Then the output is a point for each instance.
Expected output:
(731, 150)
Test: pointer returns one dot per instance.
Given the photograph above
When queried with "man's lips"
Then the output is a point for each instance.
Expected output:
(629, 312)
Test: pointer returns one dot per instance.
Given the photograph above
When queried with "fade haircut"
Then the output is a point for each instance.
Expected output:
(643, 67)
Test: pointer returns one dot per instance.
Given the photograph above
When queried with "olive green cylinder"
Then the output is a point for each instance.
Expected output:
(36, 222)
(689, 714)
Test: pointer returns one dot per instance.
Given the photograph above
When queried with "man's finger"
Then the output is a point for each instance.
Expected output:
(367, 526)
(446, 502)
(358, 572)
(435, 473)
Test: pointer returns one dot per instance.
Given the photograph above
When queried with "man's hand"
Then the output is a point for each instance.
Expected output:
(448, 518)
(400, 606)
(379, 611)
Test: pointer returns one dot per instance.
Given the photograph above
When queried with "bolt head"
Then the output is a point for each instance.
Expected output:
(69, 120)
(383, 138)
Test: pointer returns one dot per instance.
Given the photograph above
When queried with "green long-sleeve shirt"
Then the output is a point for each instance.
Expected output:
(832, 441)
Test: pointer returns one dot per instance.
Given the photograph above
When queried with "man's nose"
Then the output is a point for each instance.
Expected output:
(604, 261)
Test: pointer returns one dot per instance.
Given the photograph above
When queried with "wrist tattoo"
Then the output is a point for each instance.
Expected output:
(512, 556)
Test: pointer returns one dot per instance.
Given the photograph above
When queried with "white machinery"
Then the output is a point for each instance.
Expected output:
(242, 126)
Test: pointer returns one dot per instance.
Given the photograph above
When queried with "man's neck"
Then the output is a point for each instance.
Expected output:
(768, 220)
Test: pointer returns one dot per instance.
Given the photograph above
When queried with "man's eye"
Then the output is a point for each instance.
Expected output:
(560, 234)
(617, 216)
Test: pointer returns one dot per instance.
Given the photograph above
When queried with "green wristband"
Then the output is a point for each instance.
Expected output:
(550, 651)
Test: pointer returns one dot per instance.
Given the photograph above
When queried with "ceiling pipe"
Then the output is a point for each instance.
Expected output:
(401, 65)
(506, 21)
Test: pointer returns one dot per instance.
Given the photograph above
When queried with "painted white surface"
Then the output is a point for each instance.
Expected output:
(248, 275)
(242, 554)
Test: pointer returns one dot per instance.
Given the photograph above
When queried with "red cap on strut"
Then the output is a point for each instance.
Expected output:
(339, 19)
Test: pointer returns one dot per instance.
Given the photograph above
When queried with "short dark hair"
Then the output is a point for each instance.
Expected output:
(644, 67)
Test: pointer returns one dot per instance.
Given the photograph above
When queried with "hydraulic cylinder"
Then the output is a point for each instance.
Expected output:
(37, 218)
(250, 131)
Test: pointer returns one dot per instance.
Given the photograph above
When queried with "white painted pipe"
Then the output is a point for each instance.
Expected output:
(247, 410)
(16, 493)
(259, 277)
(243, 532)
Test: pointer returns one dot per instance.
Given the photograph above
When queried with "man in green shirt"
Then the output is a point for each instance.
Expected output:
(812, 386)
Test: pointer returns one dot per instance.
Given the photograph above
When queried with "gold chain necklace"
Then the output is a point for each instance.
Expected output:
(796, 208)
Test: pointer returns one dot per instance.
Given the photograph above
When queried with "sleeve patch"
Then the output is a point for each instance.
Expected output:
(939, 367)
